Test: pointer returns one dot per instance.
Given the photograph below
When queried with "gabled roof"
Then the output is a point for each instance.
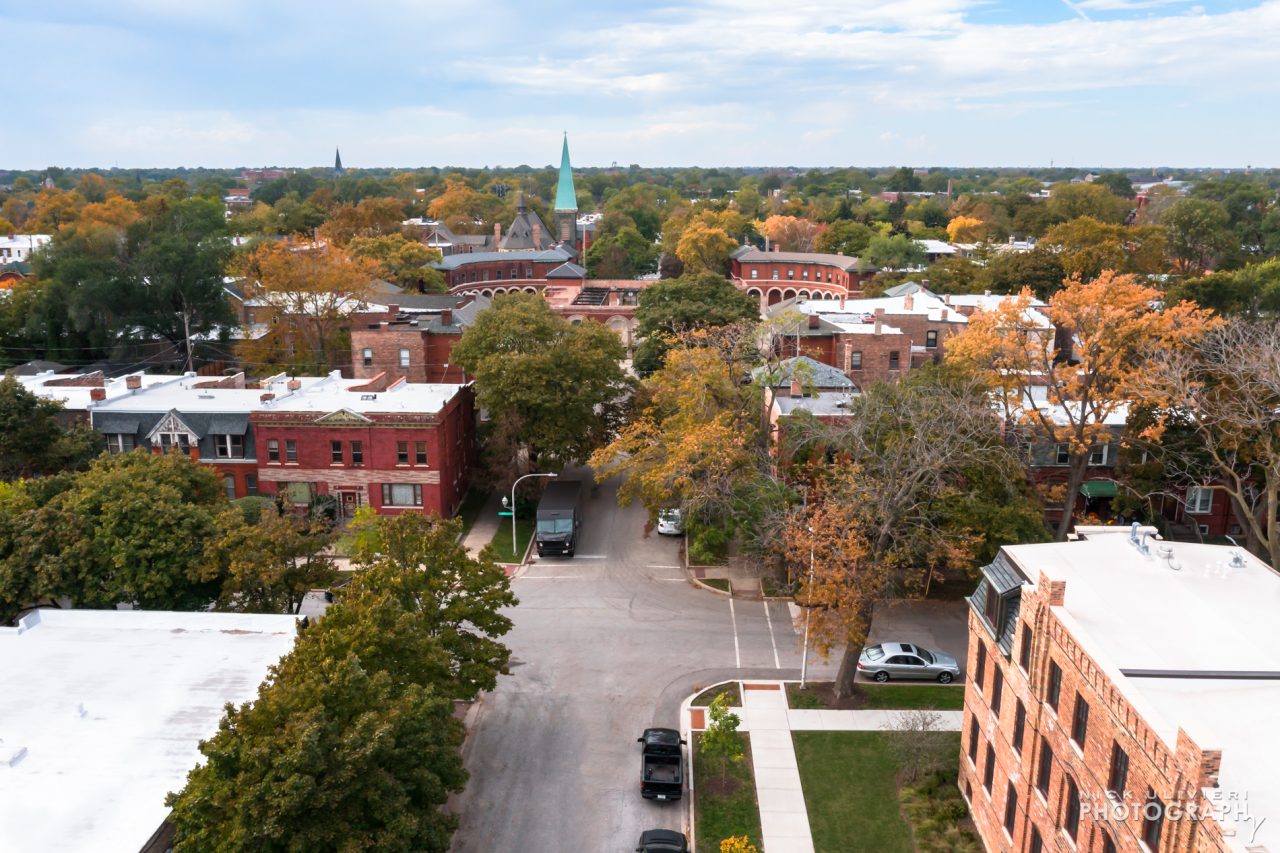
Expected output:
(567, 270)
(521, 233)
(809, 371)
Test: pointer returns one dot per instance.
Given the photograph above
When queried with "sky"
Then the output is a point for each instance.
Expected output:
(412, 83)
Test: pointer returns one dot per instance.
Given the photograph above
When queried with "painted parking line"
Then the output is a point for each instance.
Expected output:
(664, 567)
(737, 650)
(777, 664)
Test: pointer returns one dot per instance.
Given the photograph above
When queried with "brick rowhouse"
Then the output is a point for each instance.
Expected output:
(1122, 696)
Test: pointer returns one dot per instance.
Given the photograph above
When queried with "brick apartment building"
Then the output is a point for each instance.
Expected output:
(774, 277)
(1122, 696)
(415, 344)
(386, 443)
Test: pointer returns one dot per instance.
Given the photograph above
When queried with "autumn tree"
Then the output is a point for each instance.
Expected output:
(1225, 388)
(400, 260)
(372, 217)
(460, 206)
(312, 290)
(790, 233)
(552, 388)
(704, 249)
(674, 306)
(1069, 201)
(966, 229)
(1071, 396)
(1085, 246)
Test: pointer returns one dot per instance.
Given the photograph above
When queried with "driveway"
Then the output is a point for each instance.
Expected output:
(939, 625)
(604, 645)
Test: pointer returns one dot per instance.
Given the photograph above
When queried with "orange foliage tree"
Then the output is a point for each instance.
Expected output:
(791, 233)
(966, 229)
(1072, 394)
(704, 248)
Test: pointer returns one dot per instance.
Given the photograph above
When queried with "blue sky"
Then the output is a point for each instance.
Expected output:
(711, 82)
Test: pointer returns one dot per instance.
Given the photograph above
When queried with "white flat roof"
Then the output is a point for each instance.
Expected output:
(1132, 611)
(181, 393)
(923, 304)
(336, 394)
(77, 397)
(110, 707)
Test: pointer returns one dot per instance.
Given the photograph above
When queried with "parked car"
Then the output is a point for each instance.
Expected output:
(907, 661)
(662, 841)
(670, 523)
(661, 764)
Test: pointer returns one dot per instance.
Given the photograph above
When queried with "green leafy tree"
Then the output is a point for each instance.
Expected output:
(721, 741)
(903, 180)
(845, 237)
(1253, 290)
(1071, 201)
(273, 562)
(1040, 270)
(625, 253)
(1199, 234)
(33, 442)
(896, 252)
(551, 387)
(677, 305)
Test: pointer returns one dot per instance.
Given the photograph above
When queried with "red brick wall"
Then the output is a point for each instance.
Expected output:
(486, 272)
(429, 354)
(449, 437)
(875, 351)
(1111, 719)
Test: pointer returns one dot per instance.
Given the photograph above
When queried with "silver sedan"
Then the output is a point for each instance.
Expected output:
(907, 661)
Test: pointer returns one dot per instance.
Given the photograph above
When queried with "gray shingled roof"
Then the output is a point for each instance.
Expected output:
(810, 372)
(558, 255)
(568, 270)
(845, 262)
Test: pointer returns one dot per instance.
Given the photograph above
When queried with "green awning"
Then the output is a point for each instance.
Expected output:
(1098, 489)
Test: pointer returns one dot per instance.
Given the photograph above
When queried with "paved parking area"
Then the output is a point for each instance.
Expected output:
(939, 625)
(604, 645)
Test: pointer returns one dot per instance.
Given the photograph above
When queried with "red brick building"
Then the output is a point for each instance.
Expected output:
(389, 444)
(1121, 695)
(415, 344)
(774, 277)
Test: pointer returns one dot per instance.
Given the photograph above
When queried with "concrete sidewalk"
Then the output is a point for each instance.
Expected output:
(784, 819)
(481, 533)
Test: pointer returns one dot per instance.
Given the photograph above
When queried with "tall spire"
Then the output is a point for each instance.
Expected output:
(337, 163)
(566, 198)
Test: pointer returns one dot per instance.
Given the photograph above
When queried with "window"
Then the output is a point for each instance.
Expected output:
(973, 741)
(989, 772)
(893, 360)
(273, 450)
(791, 274)
(1103, 454)
(991, 606)
(401, 494)
(420, 453)
(1199, 500)
(755, 273)
(366, 356)
(1152, 820)
(1055, 686)
(1037, 844)
(250, 484)
(1080, 721)
(357, 453)
(855, 360)
(1046, 767)
(1071, 819)
(290, 450)
(1118, 776)
(402, 453)
(775, 275)
(175, 441)
(229, 446)
(980, 669)
(404, 358)
(119, 442)
(298, 493)
(229, 486)
(1010, 808)
(997, 688)
(931, 338)
(335, 452)
(1024, 653)
(1063, 452)
(1019, 725)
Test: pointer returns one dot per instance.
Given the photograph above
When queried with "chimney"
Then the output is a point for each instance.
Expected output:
(294, 385)
(195, 453)
(946, 314)
(908, 302)
(946, 299)
(877, 321)
(537, 236)
(97, 395)
(446, 317)
(394, 311)
(1057, 593)
(497, 234)
(813, 321)
(133, 382)
(842, 302)
(924, 282)
(266, 397)
(796, 390)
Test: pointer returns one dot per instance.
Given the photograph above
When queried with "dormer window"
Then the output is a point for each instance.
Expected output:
(997, 599)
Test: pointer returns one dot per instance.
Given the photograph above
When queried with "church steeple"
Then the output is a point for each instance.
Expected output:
(338, 171)
(566, 206)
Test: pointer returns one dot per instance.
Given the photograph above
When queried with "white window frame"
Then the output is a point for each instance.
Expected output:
(1108, 455)
(1199, 500)
(224, 446)
(389, 491)
(116, 442)
(366, 356)
(1058, 452)
(404, 358)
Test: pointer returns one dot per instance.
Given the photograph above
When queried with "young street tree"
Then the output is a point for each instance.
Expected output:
(721, 741)
(1069, 397)
(552, 388)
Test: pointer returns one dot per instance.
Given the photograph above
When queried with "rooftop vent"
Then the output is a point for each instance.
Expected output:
(11, 755)
(1237, 560)
(368, 396)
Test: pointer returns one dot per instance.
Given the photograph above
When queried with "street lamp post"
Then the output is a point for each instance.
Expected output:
(513, 507)
(804, 661)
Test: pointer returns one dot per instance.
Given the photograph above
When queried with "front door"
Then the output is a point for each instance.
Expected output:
(350, 500)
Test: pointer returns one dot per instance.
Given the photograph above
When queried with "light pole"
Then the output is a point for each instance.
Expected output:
(513, 507)
(804, 661)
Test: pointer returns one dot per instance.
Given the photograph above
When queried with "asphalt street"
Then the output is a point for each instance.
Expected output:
(604, 645)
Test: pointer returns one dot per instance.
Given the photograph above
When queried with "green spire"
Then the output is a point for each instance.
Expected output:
(566, 198)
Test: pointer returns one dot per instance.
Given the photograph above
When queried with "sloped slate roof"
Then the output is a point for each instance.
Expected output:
(452, 262)
(810, 372)
(567, 270)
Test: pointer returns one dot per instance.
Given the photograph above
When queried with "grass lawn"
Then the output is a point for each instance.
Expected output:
(900, 697)
(502, 540)
(852, 795)
(721, 584)
(725, 807)
(470, 508)
(705, 697)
